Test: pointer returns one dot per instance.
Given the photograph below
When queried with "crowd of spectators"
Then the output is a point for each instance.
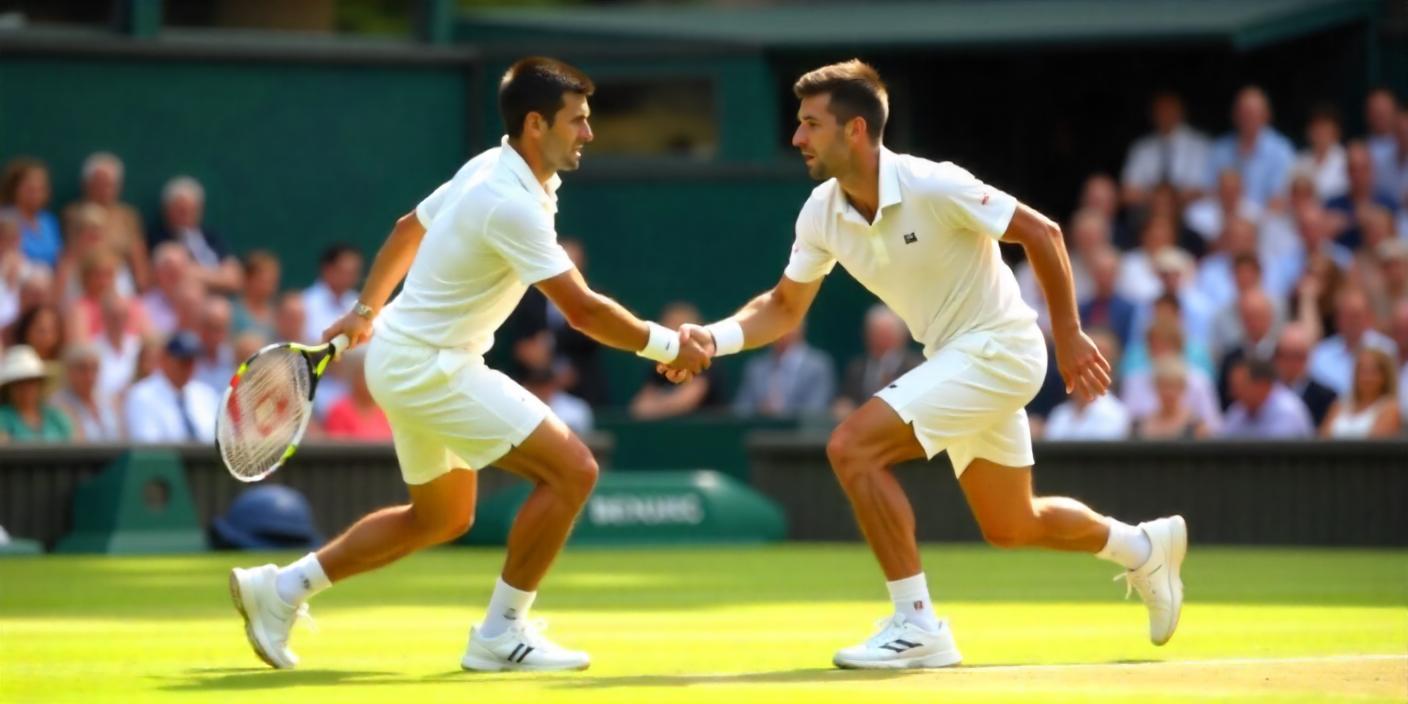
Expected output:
(1240, 288)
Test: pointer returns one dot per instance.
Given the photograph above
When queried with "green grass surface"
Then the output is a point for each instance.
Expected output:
(718, 625)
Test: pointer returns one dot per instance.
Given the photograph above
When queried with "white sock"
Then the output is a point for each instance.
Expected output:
(911, 598)
(300, 580)
(506, 606)
(1127, 546)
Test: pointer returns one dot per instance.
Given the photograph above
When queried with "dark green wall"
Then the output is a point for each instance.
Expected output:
(293, 155)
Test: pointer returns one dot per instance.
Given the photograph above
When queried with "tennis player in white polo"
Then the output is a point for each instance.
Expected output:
(468, 253)
(922, 236)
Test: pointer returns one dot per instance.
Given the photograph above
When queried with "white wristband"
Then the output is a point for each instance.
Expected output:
(662, 346)
(728, 336)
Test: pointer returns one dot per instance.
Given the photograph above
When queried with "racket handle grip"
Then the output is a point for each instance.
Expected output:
(339, 344)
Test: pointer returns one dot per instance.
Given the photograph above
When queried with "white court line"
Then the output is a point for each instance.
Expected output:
(1374, 657)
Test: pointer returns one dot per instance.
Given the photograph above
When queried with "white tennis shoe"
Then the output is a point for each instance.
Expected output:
(267, 619)
(1157, 580)
(901, 645)
(522, 647)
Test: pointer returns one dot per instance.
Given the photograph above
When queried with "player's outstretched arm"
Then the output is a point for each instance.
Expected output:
(390, 266)
(767, 317)
(1083, 368)
(609, 323)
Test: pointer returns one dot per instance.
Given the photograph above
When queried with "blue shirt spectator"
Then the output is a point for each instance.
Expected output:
(1364, 191)
(792, 378)
(1264, 409)
(1256, 150)
(24, 192)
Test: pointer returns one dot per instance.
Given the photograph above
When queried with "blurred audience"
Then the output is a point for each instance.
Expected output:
(1174, 153)
(290, 317)
(887, 357)
(1139, 393)
(24, 415)
(1381, 110)
(1104, 418)
(1255, 149)
(1106, 308)
(1323, 158)
(356, 416)
(216, 363)
(183, 222)
(92, 414)
(254, 308)
(117, 347)
(335, 291)
(573, 411)
(790, 379)
(170, 405)
(1172, 418)
(1208, 216)
(1332, 360)
(1263, 409)
(1370, 408)
(1363, 193)
(1291, 359)
(171, 270)
(1257, 339)
(24, 193)
(658, 398)
(102, 178)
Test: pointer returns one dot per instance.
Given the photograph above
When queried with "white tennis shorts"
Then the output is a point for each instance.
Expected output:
(446, 408)
(970, 397)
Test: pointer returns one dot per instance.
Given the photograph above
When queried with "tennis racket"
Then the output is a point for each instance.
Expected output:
(268, 405)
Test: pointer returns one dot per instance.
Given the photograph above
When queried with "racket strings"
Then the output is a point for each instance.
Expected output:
(266, 411)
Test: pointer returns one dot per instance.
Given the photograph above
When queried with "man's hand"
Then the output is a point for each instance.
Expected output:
(357, 329)
(1082, 367)
(691, 335)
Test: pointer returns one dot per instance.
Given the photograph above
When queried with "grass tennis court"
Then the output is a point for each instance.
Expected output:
(719, 625)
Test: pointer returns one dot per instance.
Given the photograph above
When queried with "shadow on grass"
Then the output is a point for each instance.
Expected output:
(246, 678)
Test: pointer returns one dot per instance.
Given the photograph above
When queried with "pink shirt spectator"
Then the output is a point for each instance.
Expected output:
(346, 420)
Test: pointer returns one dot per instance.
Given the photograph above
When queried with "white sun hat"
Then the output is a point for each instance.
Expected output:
(20, 362)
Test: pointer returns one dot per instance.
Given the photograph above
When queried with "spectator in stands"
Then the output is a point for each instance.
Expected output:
(887, 356)
(42, 330)
(1165, 341)
(1393, 260)
(92, 414)
(1370, 408)
(1255, 149)
(1292, 370)
(123, 233)
(335, 291)
(24, 415)
(15, 267)
(1138, 282)
(1173, 153)
(172, 268)
(1257, 339)
(183, 215)
(1363, 193)
(1381, 111)
(790, 379)
(289, 318)
(1332, 361)
(1398, 329)
(356, 416)
(1324, 158)
(216, 363)
(170, 405)
(149, 357)
(88, 235)
(1175, 270)
(85, 315)
(1395, 180)
(1104, 418)
(1089, 231)
(1215, 278)
(117, 347)
(537, 335)
(1280, 235)
(189, 305)
(1172, 418)
(573, 411)
(658, 398)
(1208, 216)
(1227, 327)
(24, 192)
(254, 308)
(1367, 271)
(1100, 194)
(246, 344)
(1264, 409)
(1105, 308)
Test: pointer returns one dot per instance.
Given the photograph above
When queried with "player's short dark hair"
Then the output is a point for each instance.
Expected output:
(336, 252)
(537, 84)
(856, 91)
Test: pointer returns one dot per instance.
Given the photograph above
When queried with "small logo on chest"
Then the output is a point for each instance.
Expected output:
(910, 238)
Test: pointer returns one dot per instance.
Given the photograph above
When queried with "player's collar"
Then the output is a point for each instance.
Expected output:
(889, 189)
(546, 193)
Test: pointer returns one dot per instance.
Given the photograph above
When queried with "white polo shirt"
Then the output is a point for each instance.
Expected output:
(931, 255)
(489, 236)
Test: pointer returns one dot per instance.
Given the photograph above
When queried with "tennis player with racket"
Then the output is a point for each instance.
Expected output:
(467, 253)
